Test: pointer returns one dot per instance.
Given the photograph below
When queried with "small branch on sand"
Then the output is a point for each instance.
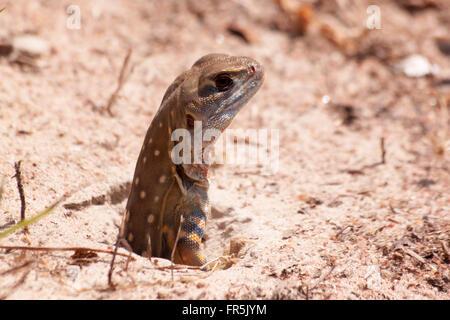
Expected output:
(18, 177)
(176, 243)
(61, 249)
(122, 79)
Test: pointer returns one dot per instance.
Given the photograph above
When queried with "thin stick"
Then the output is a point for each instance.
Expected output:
(419, 258)
(120, 240)
(18, 177)
(392, 208)
(376, 164)
(207, 264)
(111, 265)
(17, 284)
(2, 182)
(60, 249)
(215, 266)
(14, 269)
(121, 81)
(305, 292)
(323, 277)
(116, 247)
(175, 244)
(342, 231)
(383, 151)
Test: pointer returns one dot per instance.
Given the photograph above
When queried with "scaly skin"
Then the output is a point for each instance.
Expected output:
(212, 91)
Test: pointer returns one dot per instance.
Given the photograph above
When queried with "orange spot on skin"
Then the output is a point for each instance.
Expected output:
(194, 237)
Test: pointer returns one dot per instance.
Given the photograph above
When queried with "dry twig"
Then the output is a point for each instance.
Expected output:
(342, 231)
(18, 177)
(60, 249)
(17, 284)
(175, 244)
(383, 151)
(114, 253)
(419, 258)
(120, 240)
(322, 277)
(16, 268)
(122, 79)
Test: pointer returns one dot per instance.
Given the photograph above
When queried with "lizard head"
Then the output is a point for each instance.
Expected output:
(211, 93)
(219, 86)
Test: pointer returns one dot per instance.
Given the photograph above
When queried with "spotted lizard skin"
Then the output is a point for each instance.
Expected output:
(164, 193)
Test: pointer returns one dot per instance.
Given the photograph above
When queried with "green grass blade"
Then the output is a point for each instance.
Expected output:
(2, 183)
(31, 220)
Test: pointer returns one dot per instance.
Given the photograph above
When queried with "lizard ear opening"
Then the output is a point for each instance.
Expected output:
(190, 121)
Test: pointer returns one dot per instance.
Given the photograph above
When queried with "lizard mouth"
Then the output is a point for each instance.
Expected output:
(247, 89)
(226, 112)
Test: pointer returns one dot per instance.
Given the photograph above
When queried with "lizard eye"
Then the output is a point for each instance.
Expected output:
(190, 121)
(223, 82)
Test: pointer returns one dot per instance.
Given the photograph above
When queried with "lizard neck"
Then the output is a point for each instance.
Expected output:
(198, 172)
(189, 171)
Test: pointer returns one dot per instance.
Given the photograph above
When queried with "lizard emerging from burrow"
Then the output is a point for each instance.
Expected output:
(164, 193)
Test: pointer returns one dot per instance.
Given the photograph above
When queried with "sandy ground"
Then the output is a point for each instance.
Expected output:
(335, 221)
